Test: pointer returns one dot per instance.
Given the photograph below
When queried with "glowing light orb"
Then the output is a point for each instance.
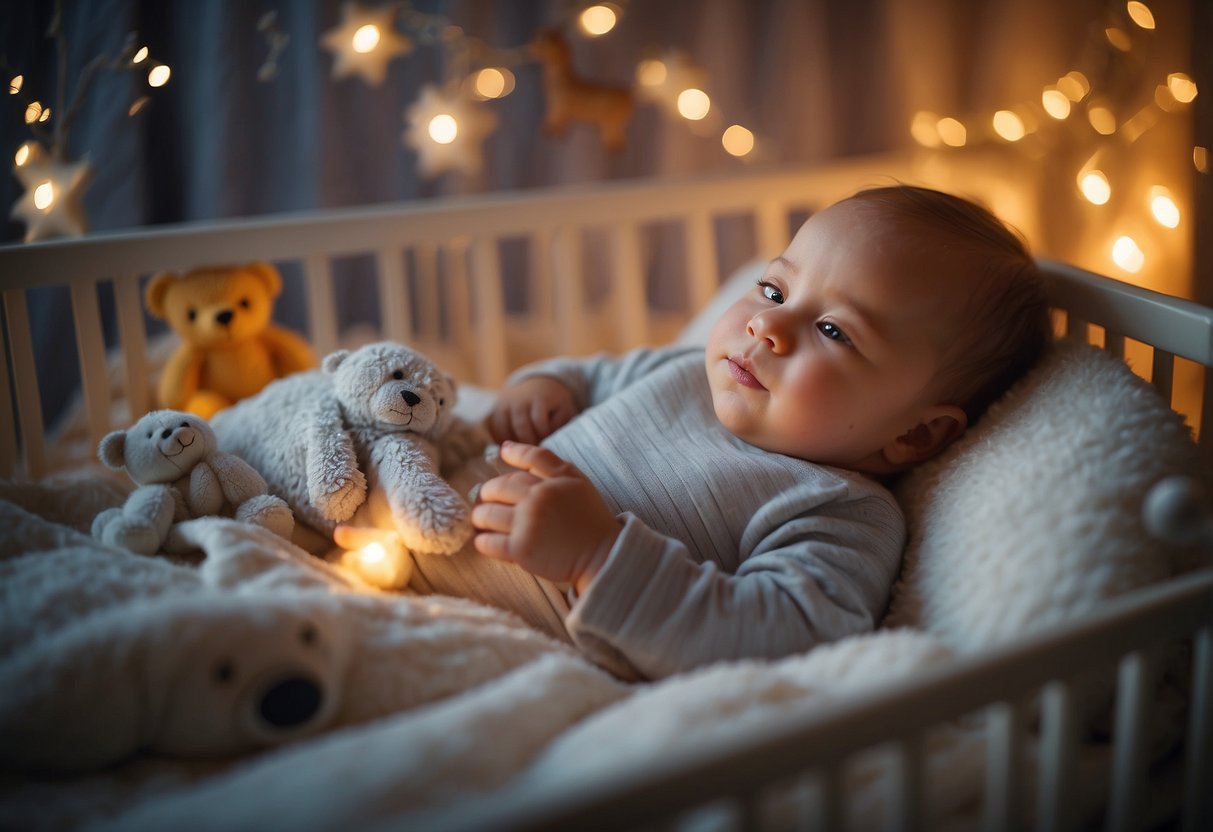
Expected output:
(33, 112)
(1118, 38)
(598, 20)
(14, 86)
(1128, 255)
(1200, 158)
(366, 38)
(140, 56)
(737, 140)
(22, 155)
(1008, 125)
(651, 72)
(158, 75)
(1095, 187)
(493, 82)
(1182, 87)
(1055, 103)
(923, 129)
(443, 128)
(952, 132)
(1140, 14)
(372, 553)
(693, 104)
(1102, 120)
(44, 196)
(1163, 207)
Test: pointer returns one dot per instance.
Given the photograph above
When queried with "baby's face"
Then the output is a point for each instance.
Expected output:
(832, 356)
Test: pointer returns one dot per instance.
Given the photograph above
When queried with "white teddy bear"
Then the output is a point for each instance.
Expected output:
(175, 459)
(379, 418)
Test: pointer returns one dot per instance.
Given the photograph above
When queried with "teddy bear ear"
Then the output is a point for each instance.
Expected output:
(333, 360)
(154, 293)
(268, 275)
(112, 450)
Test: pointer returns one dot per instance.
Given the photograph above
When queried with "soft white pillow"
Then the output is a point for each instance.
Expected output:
(1034, 516)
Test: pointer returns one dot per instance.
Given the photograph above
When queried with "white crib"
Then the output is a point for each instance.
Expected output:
(442, 286)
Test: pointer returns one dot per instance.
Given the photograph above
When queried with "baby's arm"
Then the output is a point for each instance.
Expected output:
(530, 410)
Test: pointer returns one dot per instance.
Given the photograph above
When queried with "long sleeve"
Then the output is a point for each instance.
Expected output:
(595, 379)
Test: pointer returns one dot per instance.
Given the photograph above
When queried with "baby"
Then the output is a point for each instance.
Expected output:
(720, 503)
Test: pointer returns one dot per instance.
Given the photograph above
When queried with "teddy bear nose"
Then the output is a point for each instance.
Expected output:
(411, 398)
(291, 702)
(225, 317)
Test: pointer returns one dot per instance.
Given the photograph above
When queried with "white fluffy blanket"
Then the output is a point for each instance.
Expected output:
(447, 711)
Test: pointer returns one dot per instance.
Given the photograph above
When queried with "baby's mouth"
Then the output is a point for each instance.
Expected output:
(742, 372)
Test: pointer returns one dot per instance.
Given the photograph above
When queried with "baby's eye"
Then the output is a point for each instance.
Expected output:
(770, 292)
(832, 332)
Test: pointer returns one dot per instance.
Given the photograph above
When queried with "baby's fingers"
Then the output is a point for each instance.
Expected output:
(508, 488)
(493, 517)
(539, 461)
(493, 545)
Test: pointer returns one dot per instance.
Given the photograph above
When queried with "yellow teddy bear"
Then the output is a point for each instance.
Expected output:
(229, 348)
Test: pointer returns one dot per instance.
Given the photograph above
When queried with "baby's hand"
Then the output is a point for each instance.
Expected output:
(531, 410)
(546, 517)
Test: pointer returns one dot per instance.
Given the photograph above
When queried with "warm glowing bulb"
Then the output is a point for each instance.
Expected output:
(44, 196)
(737, 140)
(1102, 120)
(1163, 207)
(490, 83)
(924, 130)
(1094, 186)
(1127, 254)
(373, 553)
(1055, 103)
(1141, 14)
(651, 73)
(158, 76)
(1008, 125)
(46, 114)
(366, 38)
(14, 86)
(33, 111)
(444, 128)
(140, 56)
(1118, 38)
(23, 154)
(1182, 87)
(693, 104)
(952, 132)
(1073, 85)
(598, 20)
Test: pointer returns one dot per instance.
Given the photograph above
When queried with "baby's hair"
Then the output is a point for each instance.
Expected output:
(1007, 324)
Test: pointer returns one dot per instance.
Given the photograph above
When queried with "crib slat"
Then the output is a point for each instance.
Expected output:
(908, 782)
(539, 288)
(491, 353)
(459, 299)
(132, 339)
(1198, 801)
(703, 271)
(829, 809)
(8, 423)
(1204, 438)
(396, 312)
(1058, 751)
(29, 402)
(1162, 375)
(1114, 342)
(569, 290)
(429, 307)
(628, 286)
(1004, 768)
(1129, 760)
(771, 219)
(90, 349)
(321, 303)
(1076, 327)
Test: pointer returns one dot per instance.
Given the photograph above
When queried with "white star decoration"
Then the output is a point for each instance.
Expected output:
(346, 41)
(472, 123)
(59, 188)
(680, 74)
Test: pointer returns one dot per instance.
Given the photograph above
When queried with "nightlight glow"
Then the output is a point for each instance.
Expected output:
(1055, 103)
(44, 196)
(737, 140)
(492, 82)
(952, 132)
(1182, 87)
(1163, 207)
(22, 155)
(1094, 186)
(693, 104)
(598, 20)
(1102, 120)
(140, 56)
(158, 75)
(443, 128)
(366, 38)
(1128, 255)
(1008, 125)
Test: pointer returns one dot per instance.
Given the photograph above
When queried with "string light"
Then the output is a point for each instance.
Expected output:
(1074, 85)
(14, 86)
(599, 19)
(1009, 126)
(693, 104)
(444, 128)
(365, 38)
(651, 72)
(158, 75)
(924, 128)
(952, 132)
(1163, 207)
(1095, 187)
(1140, 14)
(23, 154)
(737, 140)
(1200, 158)
(1055, 102)
(140, 56)
(1118, 38)
(44, 196)
(1103, 121)
(1181, 87)
(1128, 255)
(33, 112)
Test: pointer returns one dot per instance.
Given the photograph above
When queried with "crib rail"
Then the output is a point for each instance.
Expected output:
(1124, 635)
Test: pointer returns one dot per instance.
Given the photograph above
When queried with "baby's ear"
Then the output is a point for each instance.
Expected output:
(333, 360)
(112, 450)
(942, 425)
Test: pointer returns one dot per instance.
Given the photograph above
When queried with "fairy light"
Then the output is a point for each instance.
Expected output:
(1118, 38)
(365, 39)
(1009, 126)
(1200, 158)
(137, 105)
(1103, 121)
(443, 128)
(1073, 86)
(924, 128)
(1163, 207)
(737, 140)
(493, 82)
(1056, 103)
(33, 112)
(1181, 87)
(44, 196)
(22, 155)
(952, 132)
(1140, 14)
(140, 56)
(158, 75)
(1095, 187)
(45, 116)
(651, 72)
(1128, 255)
(15, 85)
(693, 104)
(597, 20)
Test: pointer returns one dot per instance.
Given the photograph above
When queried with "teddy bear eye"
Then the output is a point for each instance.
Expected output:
(308, 634)
(441, 402)
(185, 424)
(244, 303)
(193, 313)
(223, 671)
(398, 374)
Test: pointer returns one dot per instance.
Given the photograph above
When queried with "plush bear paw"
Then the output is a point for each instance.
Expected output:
(435, 520)
(113, 528)
(269, 512)
(338, 500)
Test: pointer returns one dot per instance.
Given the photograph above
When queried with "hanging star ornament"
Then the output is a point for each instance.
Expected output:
(447, 129)
(52, 205)
(365, 42)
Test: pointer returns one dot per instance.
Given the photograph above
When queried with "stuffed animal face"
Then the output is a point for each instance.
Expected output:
(215, 306)
(162, 447)
(390, 386)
